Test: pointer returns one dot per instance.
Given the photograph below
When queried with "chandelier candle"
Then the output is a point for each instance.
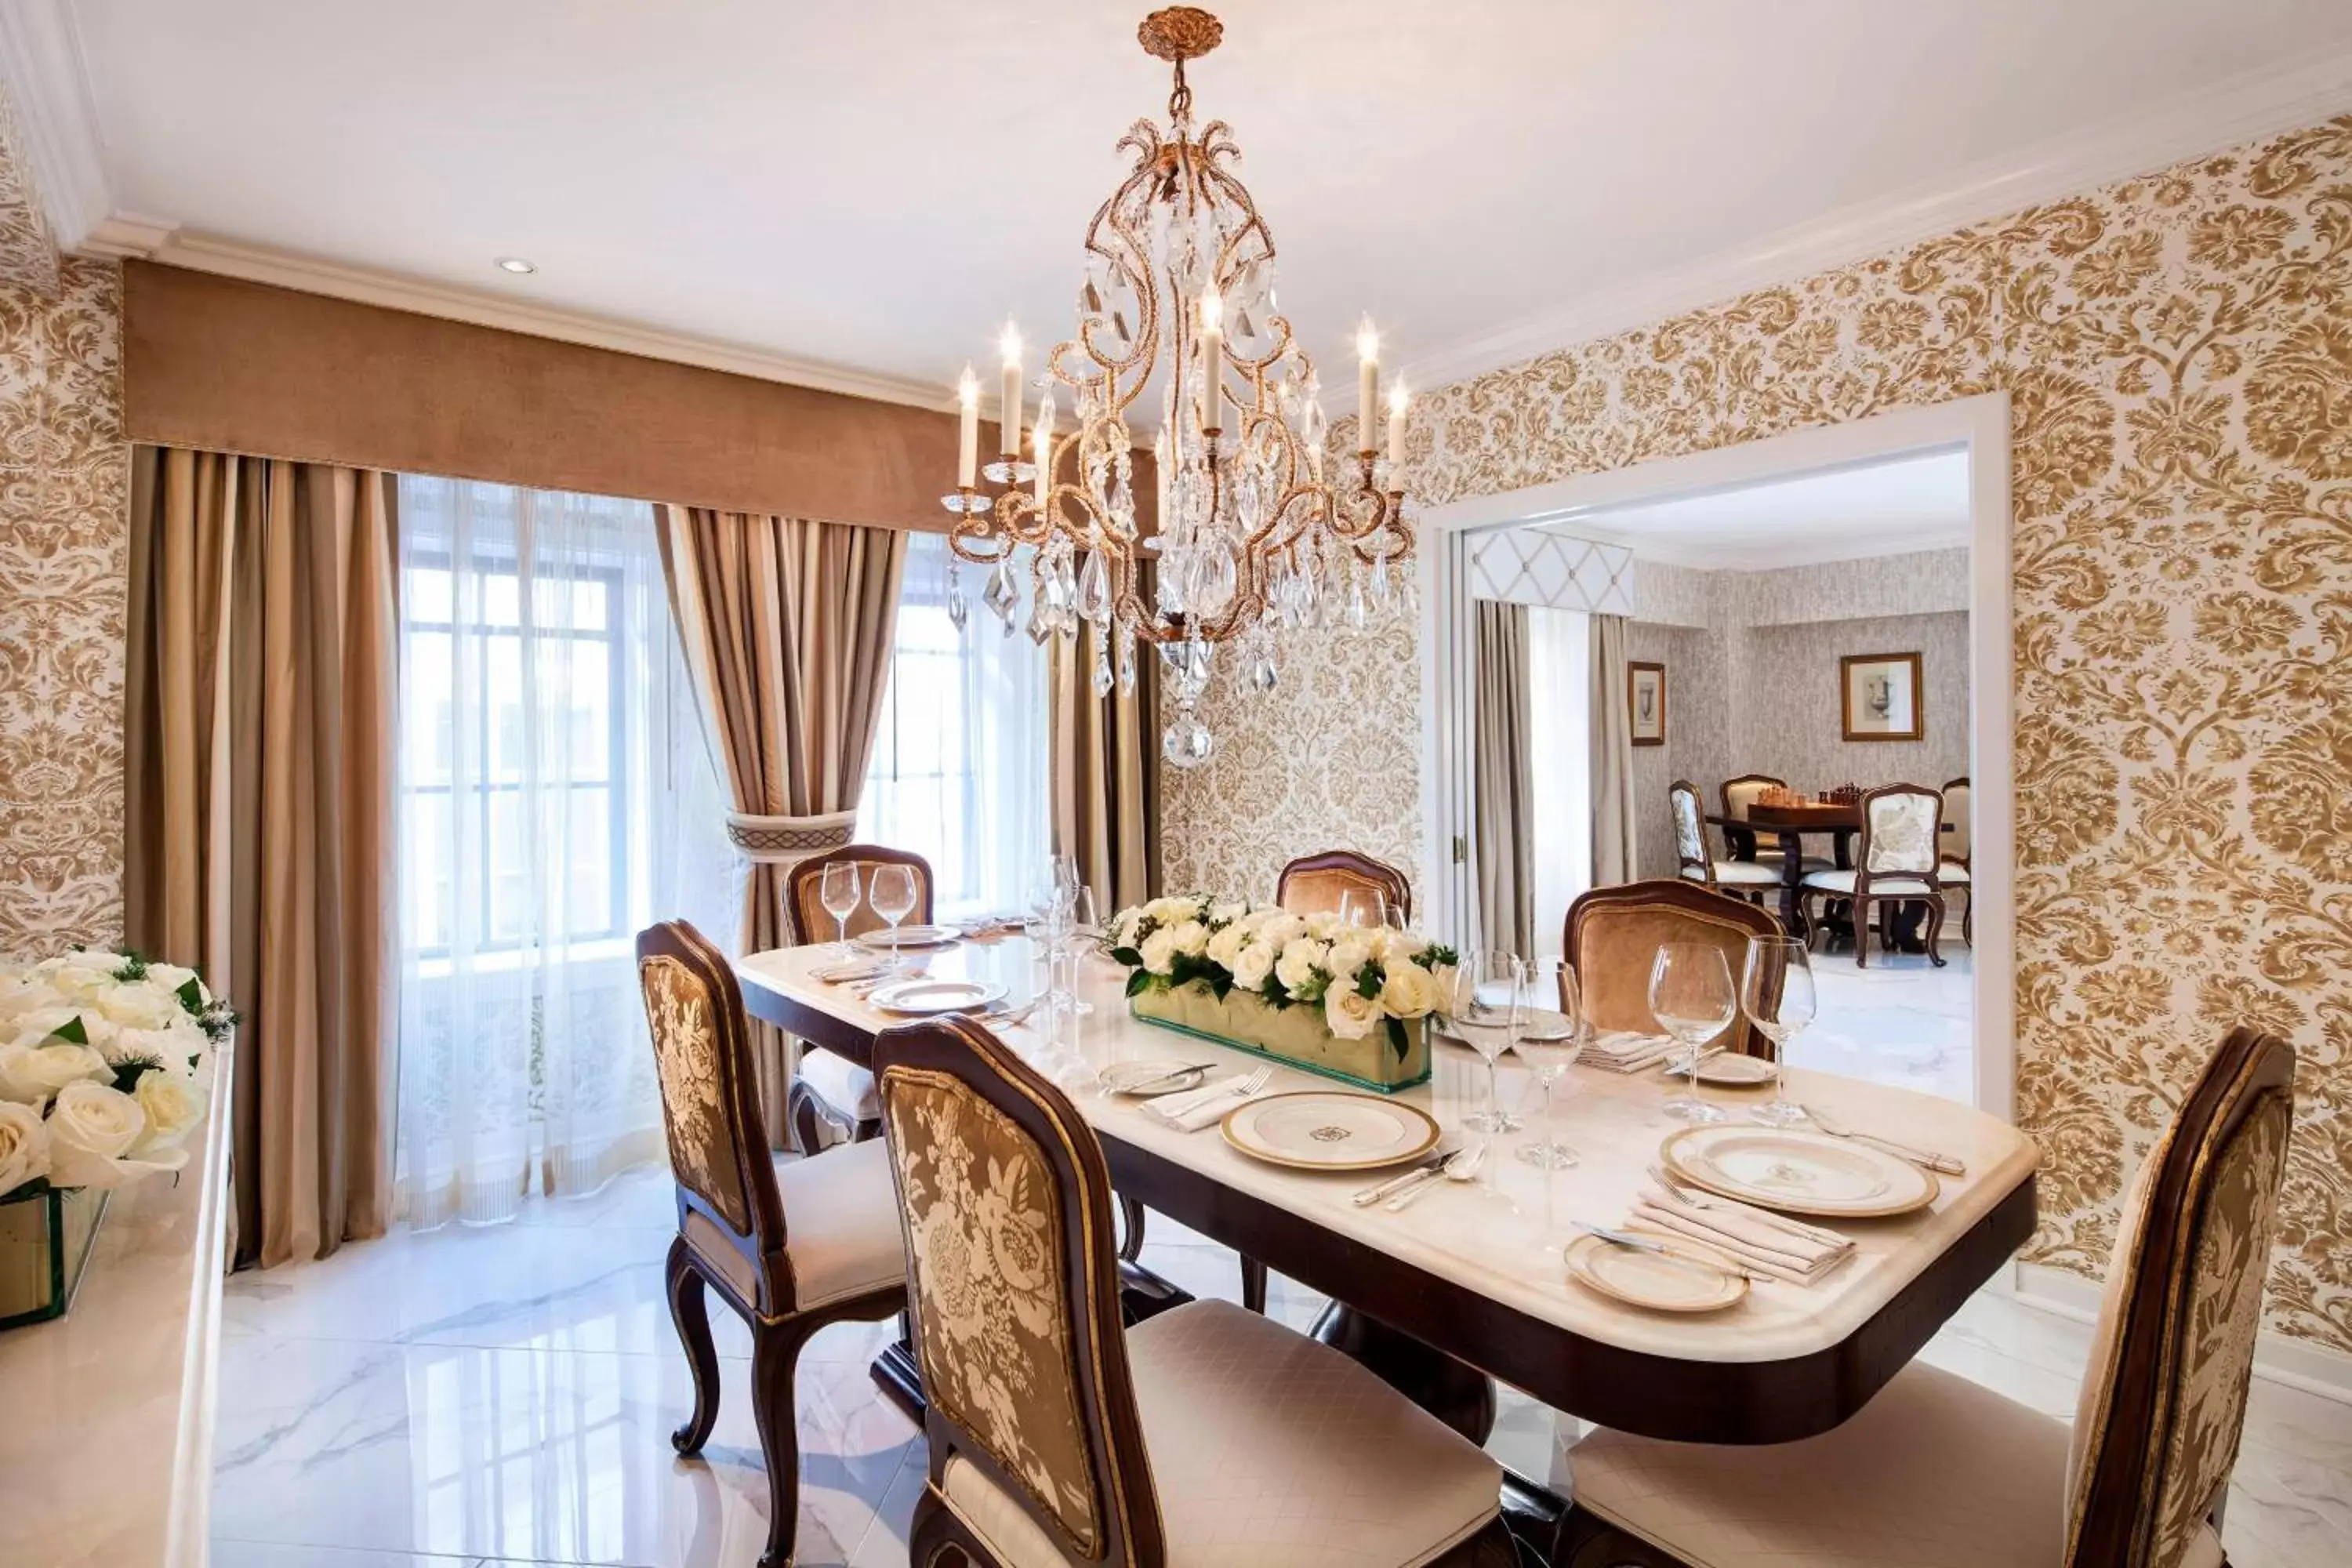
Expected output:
(967, 441)
(1397, 402)
(1260, 544)
(1368, 384)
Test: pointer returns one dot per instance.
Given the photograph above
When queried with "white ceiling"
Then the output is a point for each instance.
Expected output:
(1841, 514)
(877, 184)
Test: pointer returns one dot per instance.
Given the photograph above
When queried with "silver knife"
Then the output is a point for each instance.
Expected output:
(1643, 1243)
(1429, 1167)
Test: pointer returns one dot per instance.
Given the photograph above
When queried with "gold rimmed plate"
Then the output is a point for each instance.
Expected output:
(1795, 1172)
(927, 997)
(907, 938)
(1651, 1280)
(1151, 1079)
(1728, 1069)
(1326, 1129)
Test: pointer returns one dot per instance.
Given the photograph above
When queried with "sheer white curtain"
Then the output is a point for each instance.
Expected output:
(1560, 689)
(555, 798)
(959, 770)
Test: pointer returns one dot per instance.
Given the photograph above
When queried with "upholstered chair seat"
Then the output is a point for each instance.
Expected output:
(1950, 872)
(1268, 1448)
(1938, 1472)
(841, 1084)
(1205, 1436)
(1738, 874)
(1834, 881)
(1694, 858)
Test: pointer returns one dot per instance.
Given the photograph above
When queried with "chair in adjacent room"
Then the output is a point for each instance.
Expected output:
(1754, 880)
(1748, 844)
(1613, 934)
(1058, 1439)
(1315, 883)
(830, 1091)
(1936, 1469)
(791, 1247)
(1896, 863)
(1953, 865)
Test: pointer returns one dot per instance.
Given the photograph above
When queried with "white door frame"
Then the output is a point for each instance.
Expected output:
(1980, 425)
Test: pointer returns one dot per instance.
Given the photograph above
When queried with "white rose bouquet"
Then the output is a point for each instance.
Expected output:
(105, 1069)
(1362, 978)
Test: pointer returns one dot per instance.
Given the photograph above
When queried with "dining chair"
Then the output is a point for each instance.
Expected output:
(1953, 865)
(791, 1247)
(1751, 880)
(1938, 1470)
(1740, 793)
(1615, 933)
(1313, 883)
(1202, 1437)
(829, 1090)
(1895, 862)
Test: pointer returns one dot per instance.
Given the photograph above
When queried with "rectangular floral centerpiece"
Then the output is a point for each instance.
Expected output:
(1348, 1002)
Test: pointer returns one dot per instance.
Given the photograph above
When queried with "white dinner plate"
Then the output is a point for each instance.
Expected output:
(1328, 1130)
(1535, 1024)
(1651, 1280)
(1165, 1077)
(1728, 1068)
(883, 941)
(1797, 1172)
(924, 998)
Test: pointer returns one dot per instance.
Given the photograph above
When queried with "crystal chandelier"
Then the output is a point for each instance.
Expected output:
(1258, 547)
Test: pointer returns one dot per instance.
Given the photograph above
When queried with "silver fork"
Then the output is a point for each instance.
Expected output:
(1252, 1084)
(1929, 1158)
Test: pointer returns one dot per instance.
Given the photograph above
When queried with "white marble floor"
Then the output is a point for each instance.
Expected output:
(1901, 1021)
(503, 1398)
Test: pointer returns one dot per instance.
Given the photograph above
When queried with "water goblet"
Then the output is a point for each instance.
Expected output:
(1550, 1056)
(1364, 907)
(839, 893)
(891, 892)
(1691, 996)
(1487, 1001)
(1776, 992)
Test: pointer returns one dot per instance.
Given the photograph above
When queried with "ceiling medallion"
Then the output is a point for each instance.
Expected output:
(1258, 545)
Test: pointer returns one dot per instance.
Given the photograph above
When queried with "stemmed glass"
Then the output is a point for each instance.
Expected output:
(1488, 1000)
(1776, 992)
(1364, 907)
(1692, 997)
(1083, 926)
(1550, 1058)
(839, 893)
(891, 892)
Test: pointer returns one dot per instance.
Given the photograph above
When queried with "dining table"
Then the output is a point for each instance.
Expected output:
(1838, 821)
(1469, 1285)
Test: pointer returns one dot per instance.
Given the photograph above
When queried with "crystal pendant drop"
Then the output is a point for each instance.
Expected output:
(1187, 742)
(1126, 661)
(1103, 679)
(1094, 589)
(1262, 673)
(1249, 309)
(1359, 613)
(999, 595)
(959, 609)
(1041, 617)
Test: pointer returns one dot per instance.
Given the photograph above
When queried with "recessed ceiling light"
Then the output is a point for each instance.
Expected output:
(515, 264)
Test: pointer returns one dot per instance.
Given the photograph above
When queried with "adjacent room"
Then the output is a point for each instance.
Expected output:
(761, 806)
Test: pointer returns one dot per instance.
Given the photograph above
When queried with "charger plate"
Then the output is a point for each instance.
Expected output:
(1324, 1130)
(1797, 1172)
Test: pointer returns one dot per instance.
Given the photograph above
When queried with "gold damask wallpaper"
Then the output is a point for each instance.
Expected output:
(2178, 353)
(65, 475)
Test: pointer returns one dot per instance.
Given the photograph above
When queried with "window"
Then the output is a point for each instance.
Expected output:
(958, 768)
(556, 796)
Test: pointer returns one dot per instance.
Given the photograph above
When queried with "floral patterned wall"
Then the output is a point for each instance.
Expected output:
(2178, 349)
(64, 475)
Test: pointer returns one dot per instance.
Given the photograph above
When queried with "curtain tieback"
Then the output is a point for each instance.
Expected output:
(788, 841)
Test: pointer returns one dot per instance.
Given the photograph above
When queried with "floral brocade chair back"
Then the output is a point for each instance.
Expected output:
(2155, 1435)
(717, 1150)
(1013, 1285)
(807, 920)
(1313, 884)
(1690, 827)
(1899, 828)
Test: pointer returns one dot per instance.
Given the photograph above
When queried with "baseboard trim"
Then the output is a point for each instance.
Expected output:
(2292, 1363)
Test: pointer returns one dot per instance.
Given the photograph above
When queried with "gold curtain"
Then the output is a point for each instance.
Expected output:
(263, 662)
(1615, 852)
(787, 628)
(1505, 786)
(1106, 783)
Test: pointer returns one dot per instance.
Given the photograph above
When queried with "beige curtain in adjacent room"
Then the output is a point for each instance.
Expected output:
(1613, 858)
(259, 722)
(1505, 789)
(787, 628)
(1106, 780)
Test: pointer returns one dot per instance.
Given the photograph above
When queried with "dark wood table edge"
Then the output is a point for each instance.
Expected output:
(1751, 1402)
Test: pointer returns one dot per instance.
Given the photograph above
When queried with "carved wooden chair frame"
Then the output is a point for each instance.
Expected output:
(1864, 899)
(1373, 876)
(1685, 900)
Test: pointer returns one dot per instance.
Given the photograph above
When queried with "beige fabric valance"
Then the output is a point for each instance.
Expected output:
(221, 365)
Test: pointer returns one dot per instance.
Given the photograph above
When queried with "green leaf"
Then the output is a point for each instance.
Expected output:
(128, 1072)
(1274, 995)
(191, 995)
(1127, 956)
(71, 1032)
(1221, 984)
(1399, 1041)
(1139, 981)
(132, 967)
(1368, 981)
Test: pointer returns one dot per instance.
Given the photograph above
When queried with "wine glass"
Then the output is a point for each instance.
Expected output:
(1550, 1056)
(1776, 992)
(1085, 926)
(891, 892)
(1364, 907)
(1691, 996)
(839, 893)
(1488, 998)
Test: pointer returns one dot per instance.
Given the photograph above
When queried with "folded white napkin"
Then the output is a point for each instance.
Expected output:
(855, 969)
(1622, 1051)
(1768, 1243)
(1197, 1108)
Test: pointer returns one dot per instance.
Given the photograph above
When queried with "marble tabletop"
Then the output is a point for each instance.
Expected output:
(106, 1414)
(1505, 1233)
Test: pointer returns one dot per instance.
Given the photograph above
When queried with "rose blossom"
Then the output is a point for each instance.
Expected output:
(23, 1146)
(1350, 1014)
(31, 1071)
(1296, 969)
(1254, 963)
(1410, 991)
(92, 1129)
(172, 1105)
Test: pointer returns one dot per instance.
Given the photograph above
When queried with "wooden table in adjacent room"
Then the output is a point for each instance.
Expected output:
(1469, 1284)
(1789, 824)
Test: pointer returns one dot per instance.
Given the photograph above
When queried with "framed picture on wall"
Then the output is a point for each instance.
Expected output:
(1646, 699)
(1880, 694)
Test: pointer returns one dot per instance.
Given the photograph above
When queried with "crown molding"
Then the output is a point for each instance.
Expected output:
(40, 55)
(2241, 108)
(204, 253)
(1767, 557)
